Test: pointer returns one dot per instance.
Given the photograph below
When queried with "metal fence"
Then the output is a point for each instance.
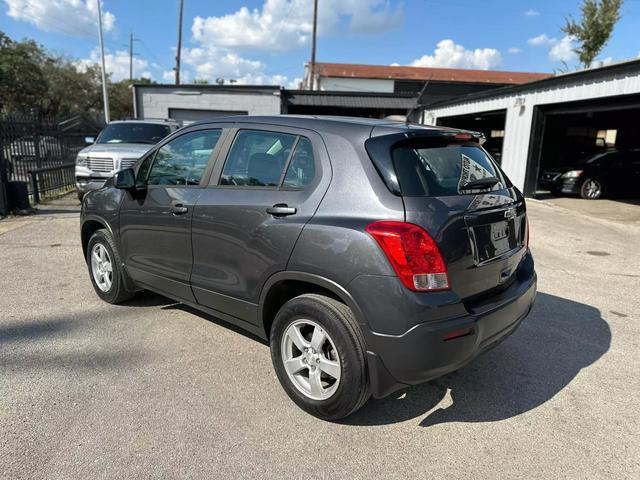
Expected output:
(41, 151)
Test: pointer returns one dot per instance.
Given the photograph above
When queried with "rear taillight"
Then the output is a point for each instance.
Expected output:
(413, 254)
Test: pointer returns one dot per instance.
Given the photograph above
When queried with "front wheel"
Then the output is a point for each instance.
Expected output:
(318, 354)
(591, 189)
(105, 268)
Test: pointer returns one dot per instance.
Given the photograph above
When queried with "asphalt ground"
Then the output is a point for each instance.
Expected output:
(153, 389)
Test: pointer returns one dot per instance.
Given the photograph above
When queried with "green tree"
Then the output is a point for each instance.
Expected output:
(70, 90)
(594, 29)
(22, 82)
(121, 97)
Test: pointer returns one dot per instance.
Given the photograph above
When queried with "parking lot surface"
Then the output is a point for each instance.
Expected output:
(153, 389)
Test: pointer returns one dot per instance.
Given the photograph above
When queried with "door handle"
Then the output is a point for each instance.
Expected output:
(179, 209)
(281, 210)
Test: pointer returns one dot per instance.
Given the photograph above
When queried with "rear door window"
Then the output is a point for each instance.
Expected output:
(259, 158)
(444, 170)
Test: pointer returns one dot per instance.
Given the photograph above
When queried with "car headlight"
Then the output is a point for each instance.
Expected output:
(81, 161)
(572, 174)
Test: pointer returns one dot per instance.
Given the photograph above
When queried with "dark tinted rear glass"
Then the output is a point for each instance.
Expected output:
(133, 132)
(443, 170)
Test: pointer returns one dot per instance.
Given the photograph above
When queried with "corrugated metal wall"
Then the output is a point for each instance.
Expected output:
(519, 107)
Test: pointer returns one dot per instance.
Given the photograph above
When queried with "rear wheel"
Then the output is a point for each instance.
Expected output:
(105, 268)
(318, 353)
(591, 189)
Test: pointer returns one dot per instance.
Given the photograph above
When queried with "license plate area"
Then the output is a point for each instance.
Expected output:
(496, 233)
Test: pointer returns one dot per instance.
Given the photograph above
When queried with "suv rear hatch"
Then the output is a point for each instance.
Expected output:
(452, 188)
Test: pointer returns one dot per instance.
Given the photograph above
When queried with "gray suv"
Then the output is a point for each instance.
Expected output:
(370, 255)
(118, 146)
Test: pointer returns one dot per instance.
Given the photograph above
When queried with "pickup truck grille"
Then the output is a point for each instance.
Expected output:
(100, 164)
(128, 162)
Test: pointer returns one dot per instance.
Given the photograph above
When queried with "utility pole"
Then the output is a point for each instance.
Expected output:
(312, 69)
(179, 44)
(131, 54)
(105, 95)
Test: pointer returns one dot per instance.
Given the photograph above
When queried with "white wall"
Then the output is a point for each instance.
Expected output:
(157, 102)
(519, 118)
(356, 84)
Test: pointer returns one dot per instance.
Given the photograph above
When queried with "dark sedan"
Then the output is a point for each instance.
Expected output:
(612, 173)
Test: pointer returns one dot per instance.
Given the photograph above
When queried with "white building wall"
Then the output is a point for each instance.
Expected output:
(520, 116)
(156, 103)
(356, 84)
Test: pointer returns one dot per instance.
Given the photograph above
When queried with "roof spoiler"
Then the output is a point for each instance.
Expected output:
(379, 148)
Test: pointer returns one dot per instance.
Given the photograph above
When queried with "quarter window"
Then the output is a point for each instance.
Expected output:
(183, 160)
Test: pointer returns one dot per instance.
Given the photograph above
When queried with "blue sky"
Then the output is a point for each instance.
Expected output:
(267, 41)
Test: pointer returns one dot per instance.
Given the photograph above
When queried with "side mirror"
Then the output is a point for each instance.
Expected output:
(125, 179)
(89, 140)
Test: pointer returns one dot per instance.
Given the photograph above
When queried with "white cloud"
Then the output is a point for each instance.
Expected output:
(281, 25)
(542, 39)
(116, 64)
(70, 17)
(450, 54)
(169, 76)
(559, 51)
(563, 50)
(514, 50)
(211, 62)
(531, 13)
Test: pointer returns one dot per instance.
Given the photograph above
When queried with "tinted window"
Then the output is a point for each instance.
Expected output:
(443, 170)
(302, 168)
(257, 158)
(133, 132)
(182, 161)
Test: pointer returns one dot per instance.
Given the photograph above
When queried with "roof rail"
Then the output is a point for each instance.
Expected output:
(157, 119)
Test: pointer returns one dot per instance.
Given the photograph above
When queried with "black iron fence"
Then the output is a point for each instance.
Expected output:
(41, 151)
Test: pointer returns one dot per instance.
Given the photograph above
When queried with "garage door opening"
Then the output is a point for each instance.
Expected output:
(489, 123)
(588, 149)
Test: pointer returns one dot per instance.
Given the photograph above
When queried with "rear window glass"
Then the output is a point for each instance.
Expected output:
(446, 170)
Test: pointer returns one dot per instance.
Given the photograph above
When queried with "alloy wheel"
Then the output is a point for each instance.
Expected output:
(101, 267)
(592, 188)
(310, 359)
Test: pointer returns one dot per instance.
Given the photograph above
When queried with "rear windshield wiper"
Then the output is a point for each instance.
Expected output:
(486, 182)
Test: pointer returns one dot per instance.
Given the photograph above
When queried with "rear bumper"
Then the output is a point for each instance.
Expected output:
(421, 354)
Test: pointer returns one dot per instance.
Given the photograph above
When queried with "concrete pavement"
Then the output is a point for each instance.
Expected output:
(152, 389)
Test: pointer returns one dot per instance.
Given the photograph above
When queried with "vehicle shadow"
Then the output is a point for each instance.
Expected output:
(149, 299)
(216, 320)
(558, 339)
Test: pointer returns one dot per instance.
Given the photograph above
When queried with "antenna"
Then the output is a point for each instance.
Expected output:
(418, 105)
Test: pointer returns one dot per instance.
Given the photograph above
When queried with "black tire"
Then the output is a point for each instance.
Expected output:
(591, 189)
(339, 323)
(117, 292)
